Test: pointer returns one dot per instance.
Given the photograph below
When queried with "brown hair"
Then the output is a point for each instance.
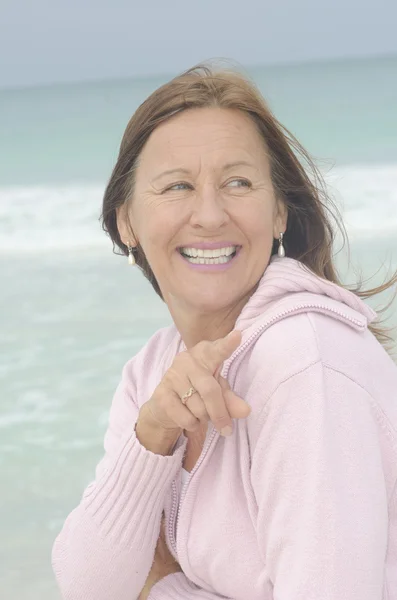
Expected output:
(313, 218)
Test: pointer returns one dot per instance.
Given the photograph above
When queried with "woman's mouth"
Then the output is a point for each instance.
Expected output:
(219, 256)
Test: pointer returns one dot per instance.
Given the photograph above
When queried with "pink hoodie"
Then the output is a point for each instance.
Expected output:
(299, 503)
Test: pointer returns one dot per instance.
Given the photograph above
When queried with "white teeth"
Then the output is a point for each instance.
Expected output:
(198, 252)
(209, 261)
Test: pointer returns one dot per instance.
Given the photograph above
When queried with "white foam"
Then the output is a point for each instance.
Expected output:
(367, 198)
(66, 217)
(44, 218)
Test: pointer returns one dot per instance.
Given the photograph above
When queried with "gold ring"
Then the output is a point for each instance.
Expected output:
(189, 393)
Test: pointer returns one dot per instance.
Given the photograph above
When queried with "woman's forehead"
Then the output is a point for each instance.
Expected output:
(221, 138)
(205, 123)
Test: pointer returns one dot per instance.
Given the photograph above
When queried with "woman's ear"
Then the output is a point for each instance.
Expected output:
(124, 226)
(281, 220)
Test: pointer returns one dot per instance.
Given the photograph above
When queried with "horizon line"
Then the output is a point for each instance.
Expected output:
(167, 74)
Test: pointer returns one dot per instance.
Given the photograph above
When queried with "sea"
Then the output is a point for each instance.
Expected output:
(72, 312)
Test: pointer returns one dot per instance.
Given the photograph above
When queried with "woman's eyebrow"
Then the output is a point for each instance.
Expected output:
(226, 167)
(171, 172)
(237, 163)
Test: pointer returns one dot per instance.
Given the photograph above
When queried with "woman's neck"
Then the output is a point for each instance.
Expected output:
(195, 327)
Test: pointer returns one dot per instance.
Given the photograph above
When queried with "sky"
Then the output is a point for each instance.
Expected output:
(49, 41)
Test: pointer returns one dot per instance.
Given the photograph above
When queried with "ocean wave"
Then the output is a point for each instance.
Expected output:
(47, 217)
(367, 198)
(67, 217)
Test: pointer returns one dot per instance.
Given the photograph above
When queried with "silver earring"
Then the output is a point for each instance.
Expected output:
(131, 257)
(281, 251)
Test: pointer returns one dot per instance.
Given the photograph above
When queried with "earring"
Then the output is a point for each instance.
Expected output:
(131, 257)
(281, 251)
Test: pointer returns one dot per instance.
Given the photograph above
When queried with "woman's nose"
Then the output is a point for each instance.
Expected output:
(208, 209)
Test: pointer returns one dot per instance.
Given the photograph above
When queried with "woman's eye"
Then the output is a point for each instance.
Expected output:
(239, 183)
(178, 186)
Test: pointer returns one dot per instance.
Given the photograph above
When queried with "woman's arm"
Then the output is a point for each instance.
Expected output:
(166, 580)
(322, 506)
(178, 587)
(106, 547)
(319, 484)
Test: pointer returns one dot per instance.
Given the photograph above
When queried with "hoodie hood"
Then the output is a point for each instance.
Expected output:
(288, 282)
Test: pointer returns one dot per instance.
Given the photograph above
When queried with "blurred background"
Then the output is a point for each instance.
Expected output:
(71, 312)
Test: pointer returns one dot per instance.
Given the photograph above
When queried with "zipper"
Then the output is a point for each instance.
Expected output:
(225, 370)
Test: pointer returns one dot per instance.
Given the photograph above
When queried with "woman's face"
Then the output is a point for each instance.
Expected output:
(204, 209)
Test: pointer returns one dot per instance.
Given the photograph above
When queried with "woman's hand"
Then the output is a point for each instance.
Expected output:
(197, 368)
(163, 564)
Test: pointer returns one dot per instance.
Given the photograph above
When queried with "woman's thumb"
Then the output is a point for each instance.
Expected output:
(223, 382)
(236, 406)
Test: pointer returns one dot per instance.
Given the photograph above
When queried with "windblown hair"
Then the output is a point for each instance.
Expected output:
(313, 218)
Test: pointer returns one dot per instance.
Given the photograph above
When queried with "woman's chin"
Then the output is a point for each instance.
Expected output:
(212, 301)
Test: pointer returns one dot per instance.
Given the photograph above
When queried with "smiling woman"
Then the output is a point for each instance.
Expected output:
(225, 203)
(251, 448)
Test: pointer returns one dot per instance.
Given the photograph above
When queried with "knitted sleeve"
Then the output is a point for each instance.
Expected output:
(320, 488)
(106, 547)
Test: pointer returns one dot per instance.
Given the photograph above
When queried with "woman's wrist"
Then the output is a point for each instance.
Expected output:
(154, 438)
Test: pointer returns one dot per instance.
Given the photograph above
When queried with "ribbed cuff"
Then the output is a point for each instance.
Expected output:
(129, 495)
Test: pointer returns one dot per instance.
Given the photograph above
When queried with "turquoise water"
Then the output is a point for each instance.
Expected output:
(72, 313)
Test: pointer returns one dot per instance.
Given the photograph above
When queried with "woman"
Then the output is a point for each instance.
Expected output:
(262, 425)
